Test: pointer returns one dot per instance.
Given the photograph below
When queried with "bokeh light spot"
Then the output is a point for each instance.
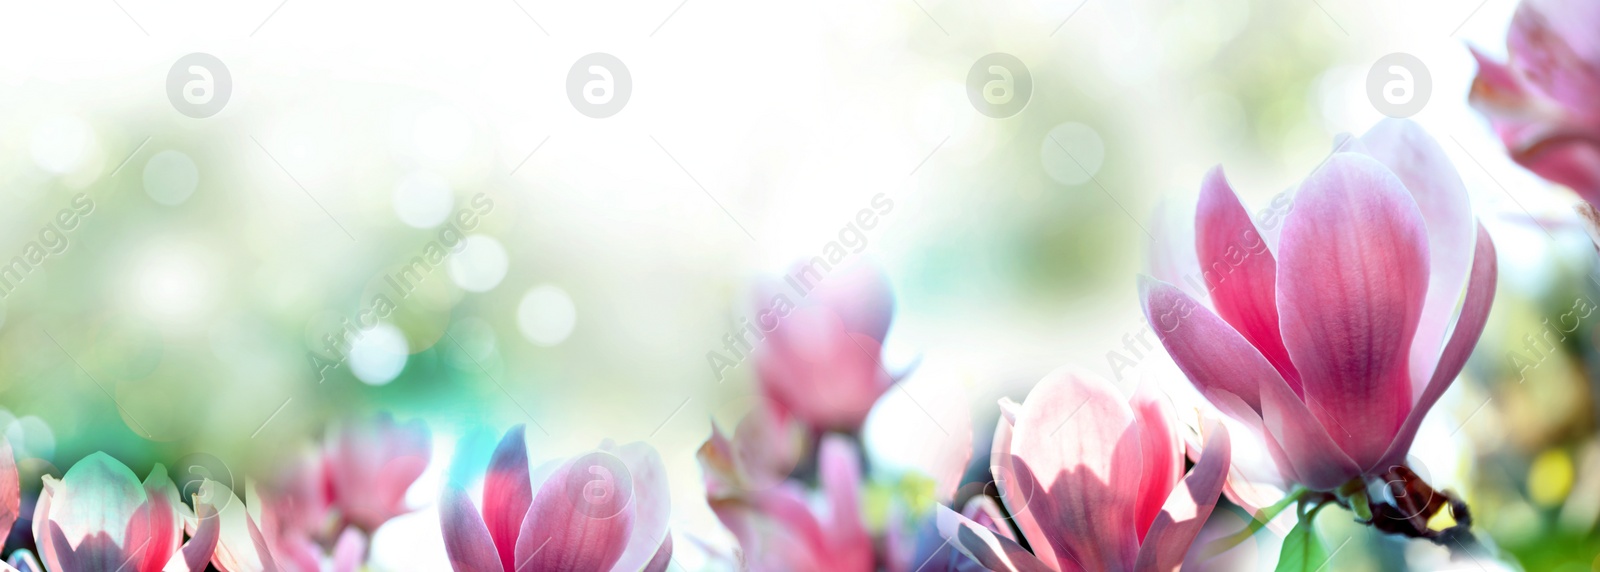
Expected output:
(546, 315)
(170, 177)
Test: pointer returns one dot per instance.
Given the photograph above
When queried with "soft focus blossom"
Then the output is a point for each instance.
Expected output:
(1545, 101)
(369, 466)
(1334, 341)
(822, 360)
(99, 518)
(778, 527)
(1093, 480)
(605, 510)
(260, 535)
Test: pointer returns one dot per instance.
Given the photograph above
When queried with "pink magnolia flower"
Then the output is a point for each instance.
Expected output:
(1094, 481)
(820, 359)
(264, 535)
(1545, 102)
(777, 528)
(606, 510)
(1334, 342)
(98, 518)
(10, 491)
(369, 466)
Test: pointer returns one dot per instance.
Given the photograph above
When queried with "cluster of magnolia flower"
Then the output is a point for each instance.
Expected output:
(1328, 348)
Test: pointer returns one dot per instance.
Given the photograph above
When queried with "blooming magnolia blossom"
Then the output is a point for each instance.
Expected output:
(1334, 343)
(1094, 481)
(606, 510)
(776, 527)
(1545, 101)
(98, 518)
(369, 465)
(264, 535)
(822, 360)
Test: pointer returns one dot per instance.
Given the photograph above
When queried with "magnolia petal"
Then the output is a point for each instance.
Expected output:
(154, 532)
(1229, 372)
(563, 531)
(41, 522)
(467, 540)
(1416, 158)
(1239, 271)
(663, 556)
(1162, 450)
(196, 553)
(349, 550)
(815, 368)
(840, 473)
(1353, 264)
(984, 547)
(1188, 507)
(23, 561)
(268, 564)
(98, 494)
(507, 494)
(1552, 43)
(10, 491)
(860, 294)
(1077, 438)
(1222, 365)
(1017, 491)
(652, 505)
(1474, 314)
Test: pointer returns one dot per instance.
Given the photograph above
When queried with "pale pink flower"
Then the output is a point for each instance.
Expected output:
(821, 361)
(267, 535)
(98, 517)
(1545, 101)
(369, 465)
(606, 510)
(1094, 481)
(777, 527)
(1334, 342)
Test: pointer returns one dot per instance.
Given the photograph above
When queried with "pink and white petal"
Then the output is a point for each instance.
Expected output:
(466, 538)
(840, 473)
(860, 294)
(1188, 507)
(155, 531)
(1017, 491)
(563, 531)
(1569, 157)
(1223, 366)
(268, 563)
(1077, 438)
(507, 493)
(983, 510)
(979, 543)
(1553, 44)
(10, 490)
(1469, 325)
(48, 487)
(196, 553)
(1353, 277)
(349, 551)
(663, 556)
(1162, 451)
(1239, 271)
(98, 494)
(1420, 163)
(1229, 372)
(652, 505)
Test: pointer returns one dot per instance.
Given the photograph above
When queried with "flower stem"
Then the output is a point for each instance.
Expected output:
(1262, 517)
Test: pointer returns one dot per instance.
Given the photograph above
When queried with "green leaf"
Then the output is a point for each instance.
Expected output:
(1303, 550)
